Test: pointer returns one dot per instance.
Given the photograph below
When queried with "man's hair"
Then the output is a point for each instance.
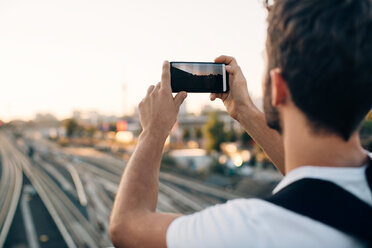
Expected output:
(324, 50)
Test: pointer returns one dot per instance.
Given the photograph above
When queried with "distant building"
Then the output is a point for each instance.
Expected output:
(41, 117)
(191, 122)
(76, 114)
(46, 121)
(93, 117)
(193, 159)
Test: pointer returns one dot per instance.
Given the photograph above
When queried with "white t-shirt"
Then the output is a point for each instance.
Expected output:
(257, 223)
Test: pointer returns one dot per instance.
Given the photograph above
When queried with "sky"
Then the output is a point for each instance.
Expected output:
(61, 56)
(199, 69)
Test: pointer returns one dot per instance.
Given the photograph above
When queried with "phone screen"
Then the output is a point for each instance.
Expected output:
(198, 77)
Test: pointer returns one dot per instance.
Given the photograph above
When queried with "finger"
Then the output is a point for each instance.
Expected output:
(156, 88)
(212, 96)
(229, 69)
(228, 60)
(165, 77)
(218, 95)
(149, 90)
(234, 70)
(179, 98)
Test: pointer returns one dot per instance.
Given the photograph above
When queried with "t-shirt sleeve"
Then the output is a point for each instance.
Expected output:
(224, 225)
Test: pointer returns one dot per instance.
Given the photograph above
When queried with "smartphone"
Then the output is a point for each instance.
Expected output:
(199, 77)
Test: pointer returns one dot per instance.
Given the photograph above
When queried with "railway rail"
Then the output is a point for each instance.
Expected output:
(10, 187)
(78, 190)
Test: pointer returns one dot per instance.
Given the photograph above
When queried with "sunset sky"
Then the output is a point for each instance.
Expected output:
(59, 56)
(199, 69)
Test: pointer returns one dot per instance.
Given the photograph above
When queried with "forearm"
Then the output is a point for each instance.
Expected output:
(138, 189)
(133, 221)
(254, 122)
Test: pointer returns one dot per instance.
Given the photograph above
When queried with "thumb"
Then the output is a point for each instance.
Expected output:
(179, 98)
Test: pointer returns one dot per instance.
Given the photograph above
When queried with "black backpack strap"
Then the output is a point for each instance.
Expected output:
(328, 203)
(369, 174)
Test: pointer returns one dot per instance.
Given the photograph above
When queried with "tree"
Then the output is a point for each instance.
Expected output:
(245, 138)
(71, 127)
(369, 116)
(90, 131)
(231, 135)
(214, 132)
(366, 134)
(366, 129)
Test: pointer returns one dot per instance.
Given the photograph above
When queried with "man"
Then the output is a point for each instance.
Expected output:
(317, 90)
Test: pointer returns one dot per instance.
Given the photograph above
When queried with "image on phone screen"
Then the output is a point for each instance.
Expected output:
(199, 77)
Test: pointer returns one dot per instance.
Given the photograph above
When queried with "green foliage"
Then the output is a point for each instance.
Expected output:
(71, 126)
(366, 134)
(216, 167)
(246, 139)
(231, 135)
(369, 116)
(367, 143)
(90, 131)
(366, 128)
(214, 132)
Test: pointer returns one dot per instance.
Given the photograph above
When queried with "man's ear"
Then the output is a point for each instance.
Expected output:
(279, 88)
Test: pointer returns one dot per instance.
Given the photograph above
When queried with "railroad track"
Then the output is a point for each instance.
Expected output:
(172, 197)
(111, 168)
(57, 175)
(74, 227)
(183, 194)
(116, 167)
(10, 187)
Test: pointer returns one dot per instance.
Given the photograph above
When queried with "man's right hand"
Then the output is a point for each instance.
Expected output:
(237, 99)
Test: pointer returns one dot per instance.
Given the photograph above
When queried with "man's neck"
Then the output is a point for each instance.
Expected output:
(305, 148)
